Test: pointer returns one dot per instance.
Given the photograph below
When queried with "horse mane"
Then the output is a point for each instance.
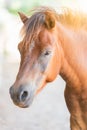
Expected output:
(73, 19)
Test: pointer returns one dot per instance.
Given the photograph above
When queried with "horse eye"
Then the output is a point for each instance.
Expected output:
(47, 53)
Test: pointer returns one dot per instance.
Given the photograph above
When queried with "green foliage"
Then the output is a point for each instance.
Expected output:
(23, 6)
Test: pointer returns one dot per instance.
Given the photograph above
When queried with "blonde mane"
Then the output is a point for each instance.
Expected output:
(69, 18)
(73, 19)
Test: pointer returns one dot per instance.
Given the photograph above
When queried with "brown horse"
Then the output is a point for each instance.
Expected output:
(54, 44)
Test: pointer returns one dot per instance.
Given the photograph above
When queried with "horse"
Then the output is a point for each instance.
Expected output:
(54, 44)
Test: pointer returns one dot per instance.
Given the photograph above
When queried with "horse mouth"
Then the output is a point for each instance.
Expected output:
(24, 104)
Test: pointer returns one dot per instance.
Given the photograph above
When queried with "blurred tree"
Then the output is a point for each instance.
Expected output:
(20, 5)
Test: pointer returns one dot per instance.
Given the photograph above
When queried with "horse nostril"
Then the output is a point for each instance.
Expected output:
(24, 95)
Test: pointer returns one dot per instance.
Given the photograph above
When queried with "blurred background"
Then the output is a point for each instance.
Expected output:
(48, 110)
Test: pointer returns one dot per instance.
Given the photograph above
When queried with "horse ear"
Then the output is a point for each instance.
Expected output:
(23, 17)
(49, 21)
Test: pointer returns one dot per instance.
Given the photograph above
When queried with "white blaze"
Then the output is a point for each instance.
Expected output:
(32, 45)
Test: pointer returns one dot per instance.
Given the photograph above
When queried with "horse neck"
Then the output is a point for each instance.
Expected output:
(68, 43)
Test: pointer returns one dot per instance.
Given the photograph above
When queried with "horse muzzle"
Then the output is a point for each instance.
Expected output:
(22, 96)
